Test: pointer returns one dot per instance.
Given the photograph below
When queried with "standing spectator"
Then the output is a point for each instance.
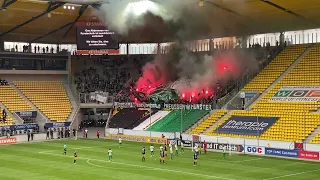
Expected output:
(43, 50)
(52, 49)
(51, 133)
(86, 131)
(48, 133)
(28, 134)
(16, 48)
(38, 49)
(98, 133)
(47, 49)
(35, 49)
(32, 133)
(61, 133)
(74, 132)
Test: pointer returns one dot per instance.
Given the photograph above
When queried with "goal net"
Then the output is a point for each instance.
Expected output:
(224, 145)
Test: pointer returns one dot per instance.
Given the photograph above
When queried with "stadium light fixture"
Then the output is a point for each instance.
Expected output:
(140, 7)
(207, 92)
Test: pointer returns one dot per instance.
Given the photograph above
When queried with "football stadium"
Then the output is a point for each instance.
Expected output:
(160, 89)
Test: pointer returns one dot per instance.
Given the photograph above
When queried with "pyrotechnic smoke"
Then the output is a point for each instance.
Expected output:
(172, 20)
(192, 73)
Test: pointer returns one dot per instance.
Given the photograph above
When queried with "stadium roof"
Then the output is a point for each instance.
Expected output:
(226, 17)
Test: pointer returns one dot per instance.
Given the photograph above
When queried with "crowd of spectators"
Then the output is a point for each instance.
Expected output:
(3, 82)
(108, 74)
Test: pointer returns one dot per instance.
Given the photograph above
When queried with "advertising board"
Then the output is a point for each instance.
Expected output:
(254, 150)
(219, 146)
(282, 152)
(31, 114)
(246, 125)
(146, 139)
(308, 155)
(4, 141)
(297, 94)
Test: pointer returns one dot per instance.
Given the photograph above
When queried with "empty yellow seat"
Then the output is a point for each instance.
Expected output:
(49, 97)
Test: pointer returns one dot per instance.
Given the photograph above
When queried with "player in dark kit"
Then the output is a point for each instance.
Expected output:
(143, 152)
(165, 149)
(161, 157)
(75, 155)
(195, 159)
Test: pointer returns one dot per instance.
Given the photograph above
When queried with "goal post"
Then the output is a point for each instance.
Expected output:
(225, 142)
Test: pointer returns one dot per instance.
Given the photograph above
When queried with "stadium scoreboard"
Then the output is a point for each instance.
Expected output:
(95, 36)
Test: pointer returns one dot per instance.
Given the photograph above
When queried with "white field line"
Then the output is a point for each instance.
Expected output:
(144, 167)
(88, 161)
(293, 174)
(253, 159)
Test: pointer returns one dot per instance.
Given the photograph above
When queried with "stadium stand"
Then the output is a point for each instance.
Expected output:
(11, 99)
(316, 139)
(126, 117)
(145, 117)
(9, 120)
(172, 122)
(49, 97)
(297, 120)
(270, 73)
(208, 122)
(154, 118)
(107, 73)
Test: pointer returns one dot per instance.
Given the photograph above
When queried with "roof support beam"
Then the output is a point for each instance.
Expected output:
(221, 7)
(81, 11)
(7, 3)
(51, 7)
(51, 32)
(286, 10)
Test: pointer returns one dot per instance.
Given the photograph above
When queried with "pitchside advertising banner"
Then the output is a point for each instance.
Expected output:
(220, 146)
(20, 127)
(309, 155)
(4, 141)
(297, 94)
(246, 125)
(138, 138)
(254, 150)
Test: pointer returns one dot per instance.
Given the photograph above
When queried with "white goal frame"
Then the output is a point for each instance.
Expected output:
(225, 140)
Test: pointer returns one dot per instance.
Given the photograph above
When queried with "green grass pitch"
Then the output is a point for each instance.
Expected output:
(45, 161)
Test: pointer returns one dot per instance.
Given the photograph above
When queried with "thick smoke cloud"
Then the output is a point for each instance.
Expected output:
(176, 21)
(193, 73)
(170, 20)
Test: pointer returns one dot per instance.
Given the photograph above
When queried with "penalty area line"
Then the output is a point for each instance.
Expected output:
(294, 174)
(140, 166)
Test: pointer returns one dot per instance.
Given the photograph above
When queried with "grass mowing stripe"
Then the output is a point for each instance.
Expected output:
(294, 174)
(146, 167)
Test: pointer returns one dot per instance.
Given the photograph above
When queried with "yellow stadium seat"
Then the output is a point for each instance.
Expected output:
(49, 97)
(297, 120)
